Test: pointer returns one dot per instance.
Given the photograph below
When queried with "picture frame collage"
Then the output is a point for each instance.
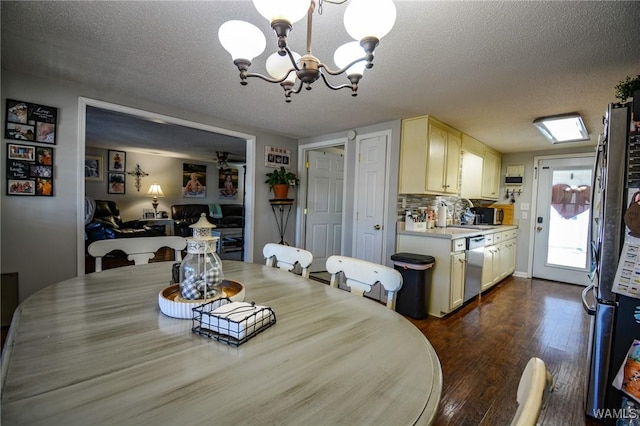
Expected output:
(30, 168)
(116, 176)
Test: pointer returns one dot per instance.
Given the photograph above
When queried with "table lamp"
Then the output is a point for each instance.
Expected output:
(155, 191)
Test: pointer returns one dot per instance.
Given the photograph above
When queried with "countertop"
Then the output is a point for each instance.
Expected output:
(453, 232)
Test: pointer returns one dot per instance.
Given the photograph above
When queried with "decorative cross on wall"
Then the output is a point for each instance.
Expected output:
(138, 173)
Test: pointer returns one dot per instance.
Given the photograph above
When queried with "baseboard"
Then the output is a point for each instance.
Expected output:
(519, 274)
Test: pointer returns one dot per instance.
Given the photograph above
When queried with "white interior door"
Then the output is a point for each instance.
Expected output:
(323, 224)
(370, 197)
(561, 234)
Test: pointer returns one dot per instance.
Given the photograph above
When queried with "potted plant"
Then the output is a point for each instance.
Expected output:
(280, 180)
(626, 88)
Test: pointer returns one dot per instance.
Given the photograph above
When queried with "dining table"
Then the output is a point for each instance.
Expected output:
(96, 349)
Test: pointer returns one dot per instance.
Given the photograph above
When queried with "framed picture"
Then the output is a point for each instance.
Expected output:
(117, 161)
(94, 168)
(31, 122)
(29, 170)
(148, 214)
(194, 180)
(21, 152)
(277, 157)
(116, 183)
(228, 183)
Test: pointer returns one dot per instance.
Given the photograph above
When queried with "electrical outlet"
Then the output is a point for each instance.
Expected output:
(525, 215)
(524, 207)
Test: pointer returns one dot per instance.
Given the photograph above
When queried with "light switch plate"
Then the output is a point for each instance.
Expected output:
(524, 206)
(525, 215)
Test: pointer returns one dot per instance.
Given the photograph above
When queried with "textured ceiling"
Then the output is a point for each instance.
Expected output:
(487, 68)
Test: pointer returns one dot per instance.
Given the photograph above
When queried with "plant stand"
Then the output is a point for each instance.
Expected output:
(279, 206)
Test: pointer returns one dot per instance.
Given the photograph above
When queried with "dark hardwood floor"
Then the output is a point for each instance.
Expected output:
(484, 347)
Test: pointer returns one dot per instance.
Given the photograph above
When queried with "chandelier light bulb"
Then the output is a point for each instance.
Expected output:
(277, 66)
(242, 40)
(348, 53)
(288, 10)
(369, 18)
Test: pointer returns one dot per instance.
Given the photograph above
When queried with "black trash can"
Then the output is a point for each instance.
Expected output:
(413, 297)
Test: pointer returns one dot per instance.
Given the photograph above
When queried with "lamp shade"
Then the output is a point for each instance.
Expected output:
(348, 53)
(278, 66)
(369, 18)
(242, 40)
(155, 191)
(289, 10)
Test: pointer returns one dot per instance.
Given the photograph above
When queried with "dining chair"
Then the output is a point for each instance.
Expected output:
(361, 275)
(138, 249)
(535, 380)
(286, 257)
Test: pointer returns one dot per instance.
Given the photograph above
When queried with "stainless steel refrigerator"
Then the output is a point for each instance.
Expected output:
(613, 327)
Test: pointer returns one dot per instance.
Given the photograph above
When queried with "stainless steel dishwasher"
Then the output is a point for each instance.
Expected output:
(473, 274)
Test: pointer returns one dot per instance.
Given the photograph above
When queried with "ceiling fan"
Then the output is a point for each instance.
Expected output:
(221, 159)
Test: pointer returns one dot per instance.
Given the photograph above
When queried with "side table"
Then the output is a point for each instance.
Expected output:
(167, 222)
(279, 206)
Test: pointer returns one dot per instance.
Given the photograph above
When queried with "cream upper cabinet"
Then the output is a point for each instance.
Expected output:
(491, 168)
(429, 157)
(479, 160)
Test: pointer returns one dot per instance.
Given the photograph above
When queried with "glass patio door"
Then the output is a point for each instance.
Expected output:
(561, 234)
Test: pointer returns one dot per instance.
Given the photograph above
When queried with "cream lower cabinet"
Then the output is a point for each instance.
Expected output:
(499, 257)
(447, 276)
(458, 270)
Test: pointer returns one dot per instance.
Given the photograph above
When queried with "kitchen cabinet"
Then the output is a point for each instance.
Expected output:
(499, 257)
(479, 159)
(491, 168)
(458, 270)
(447, 277)
(429, 157)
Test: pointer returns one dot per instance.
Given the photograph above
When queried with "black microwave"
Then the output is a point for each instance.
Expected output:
(489, 216)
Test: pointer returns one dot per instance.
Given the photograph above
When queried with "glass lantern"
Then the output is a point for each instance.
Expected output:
(201, 269)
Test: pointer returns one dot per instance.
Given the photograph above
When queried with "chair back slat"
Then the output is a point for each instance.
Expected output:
(286, 257)
(361, 275)
(138, 249)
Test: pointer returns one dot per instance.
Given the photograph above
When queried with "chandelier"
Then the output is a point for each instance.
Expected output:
(367, 21)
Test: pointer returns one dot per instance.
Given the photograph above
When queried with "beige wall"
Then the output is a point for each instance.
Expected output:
(41, 235)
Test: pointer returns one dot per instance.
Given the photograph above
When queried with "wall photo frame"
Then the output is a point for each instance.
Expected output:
(29, 170)
(116, 183)
(277, 157)
(228, 183)
(31, 122)
(117, 161)
(94, 168)
(194, 180)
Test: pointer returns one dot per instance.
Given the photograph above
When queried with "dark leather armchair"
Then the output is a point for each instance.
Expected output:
(107, 224)
(188, 214)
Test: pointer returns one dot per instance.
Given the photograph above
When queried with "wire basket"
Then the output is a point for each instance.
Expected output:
(231, 322)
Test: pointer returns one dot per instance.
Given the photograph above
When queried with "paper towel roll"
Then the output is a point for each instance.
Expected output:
(442, 217)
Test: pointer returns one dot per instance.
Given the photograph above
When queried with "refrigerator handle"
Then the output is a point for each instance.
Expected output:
(589, 308)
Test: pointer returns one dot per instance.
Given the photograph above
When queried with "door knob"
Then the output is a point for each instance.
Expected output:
(377, 227)
(539, 228)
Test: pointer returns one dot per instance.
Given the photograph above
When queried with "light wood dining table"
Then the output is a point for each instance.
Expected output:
(96, 349)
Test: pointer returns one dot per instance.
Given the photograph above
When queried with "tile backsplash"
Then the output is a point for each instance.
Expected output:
(455, 204)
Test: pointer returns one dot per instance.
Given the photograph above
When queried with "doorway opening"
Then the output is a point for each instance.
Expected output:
(562, 214)
(249, 198)
(322, 200)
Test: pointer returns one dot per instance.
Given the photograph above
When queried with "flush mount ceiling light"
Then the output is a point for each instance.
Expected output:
(365, 20)
(562, 128)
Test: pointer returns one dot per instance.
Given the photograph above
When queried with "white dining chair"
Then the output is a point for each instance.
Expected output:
(286, 257)
(361, 275)
(138, 249)
(535, 380)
